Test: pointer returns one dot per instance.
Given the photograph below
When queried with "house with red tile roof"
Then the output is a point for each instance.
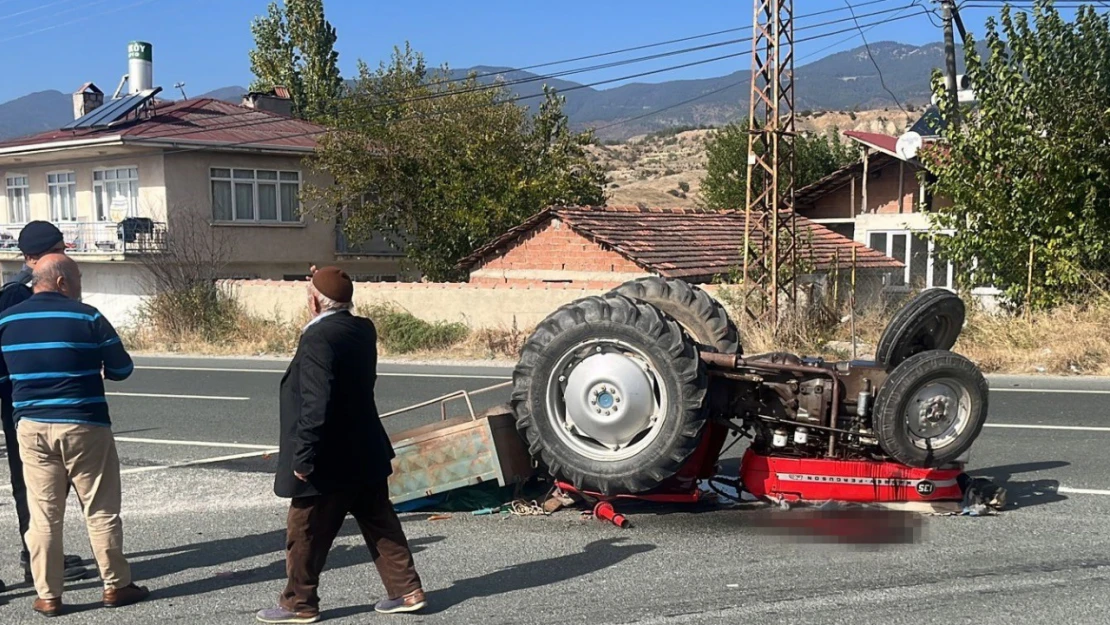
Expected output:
(601, 246)
(132, 171)
(879, 201)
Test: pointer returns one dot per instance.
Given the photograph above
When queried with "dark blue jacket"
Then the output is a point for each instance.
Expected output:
(15, 291)
(57, 353)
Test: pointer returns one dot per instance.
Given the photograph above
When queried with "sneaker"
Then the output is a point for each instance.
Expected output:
(281, 615)
(119, 597)
(412, 602)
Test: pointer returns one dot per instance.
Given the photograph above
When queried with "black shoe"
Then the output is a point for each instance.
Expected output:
(74, 569)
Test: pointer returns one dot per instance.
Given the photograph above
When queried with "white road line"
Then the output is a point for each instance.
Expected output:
(168, 396)
(1082, 491)
(1075, 428)
(191, 463)
(1064, 391)
(387, 374)
(160, 441)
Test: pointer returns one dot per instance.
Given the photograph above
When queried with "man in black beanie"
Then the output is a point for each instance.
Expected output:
(37, 239)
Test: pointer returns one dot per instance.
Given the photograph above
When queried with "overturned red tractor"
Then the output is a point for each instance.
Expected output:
(637, 391)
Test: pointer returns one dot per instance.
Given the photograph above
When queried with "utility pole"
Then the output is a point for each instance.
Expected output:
(769, 218)
(948, 14)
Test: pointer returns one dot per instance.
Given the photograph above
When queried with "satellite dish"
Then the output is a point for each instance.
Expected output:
(908, 145)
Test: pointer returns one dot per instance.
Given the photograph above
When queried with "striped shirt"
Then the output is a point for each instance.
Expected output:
(54, 351)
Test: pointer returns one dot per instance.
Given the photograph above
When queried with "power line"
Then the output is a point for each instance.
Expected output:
(652, 45)
(612, 64)
(34, 9)
(585, 86)
(76, 21)
(53, 15)
(499, 86)
(736, 84)
(670, 107)
(872, 57)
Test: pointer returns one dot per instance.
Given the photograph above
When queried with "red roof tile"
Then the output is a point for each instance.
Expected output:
(692, 244)
(197, 121)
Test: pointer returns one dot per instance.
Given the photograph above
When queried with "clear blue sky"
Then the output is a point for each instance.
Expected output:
(59, 44)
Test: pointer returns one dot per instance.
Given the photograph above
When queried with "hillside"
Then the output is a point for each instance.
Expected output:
(839, 82)
(652, 169)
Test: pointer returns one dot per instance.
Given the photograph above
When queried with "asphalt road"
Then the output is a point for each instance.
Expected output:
(206, 534)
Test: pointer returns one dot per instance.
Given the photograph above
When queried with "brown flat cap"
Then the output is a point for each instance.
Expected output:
(334, 283)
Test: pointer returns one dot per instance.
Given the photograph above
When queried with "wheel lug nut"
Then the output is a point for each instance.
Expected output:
(607, 413)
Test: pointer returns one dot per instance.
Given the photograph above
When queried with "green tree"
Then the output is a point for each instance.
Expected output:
(1028, 169)
(295, 47)
(725, 182)
(448, 164)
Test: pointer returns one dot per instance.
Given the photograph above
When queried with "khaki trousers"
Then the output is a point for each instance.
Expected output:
(52, 454)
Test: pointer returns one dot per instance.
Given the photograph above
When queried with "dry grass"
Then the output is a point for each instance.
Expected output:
(259, 336)
(1071, 340)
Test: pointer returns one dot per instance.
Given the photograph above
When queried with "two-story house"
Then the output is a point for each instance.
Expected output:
(133, 176)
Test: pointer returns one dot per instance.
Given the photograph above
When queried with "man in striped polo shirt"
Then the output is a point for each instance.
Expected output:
(57, 352)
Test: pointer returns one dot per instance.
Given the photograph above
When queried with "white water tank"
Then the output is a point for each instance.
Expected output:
(140, 67)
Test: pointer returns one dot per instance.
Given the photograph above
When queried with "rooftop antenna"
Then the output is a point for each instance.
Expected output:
(180, 86)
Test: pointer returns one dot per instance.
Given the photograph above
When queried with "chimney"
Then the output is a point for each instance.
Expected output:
(86, 99)
(276, 100)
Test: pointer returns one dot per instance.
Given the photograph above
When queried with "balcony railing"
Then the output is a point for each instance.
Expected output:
(134, 235)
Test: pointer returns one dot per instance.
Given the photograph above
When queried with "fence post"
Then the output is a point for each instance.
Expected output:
(1029, 284)
(852, 300)
(836, 281)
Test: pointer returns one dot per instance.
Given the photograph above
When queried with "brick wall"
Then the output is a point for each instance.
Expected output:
(555, 253)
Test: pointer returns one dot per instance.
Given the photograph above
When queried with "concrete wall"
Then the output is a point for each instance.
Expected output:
(554, 252)
(152, 193)
(490, 306)
(117, 289)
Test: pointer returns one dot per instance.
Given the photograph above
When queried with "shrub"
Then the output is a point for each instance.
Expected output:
(400, 332)
(201, 310)
(684, 186)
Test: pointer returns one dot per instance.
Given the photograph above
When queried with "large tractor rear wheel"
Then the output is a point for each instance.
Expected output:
(609, 395)
(702, 316)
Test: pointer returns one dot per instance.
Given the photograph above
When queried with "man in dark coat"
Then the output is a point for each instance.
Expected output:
(36, 239)
(335, 457)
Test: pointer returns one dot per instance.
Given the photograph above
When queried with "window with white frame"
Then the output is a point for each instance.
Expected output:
(62, 189)
(255, 195)
(117, 184)
(19, 198)
(917, 251)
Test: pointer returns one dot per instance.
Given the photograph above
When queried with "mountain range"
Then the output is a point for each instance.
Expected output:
(885, 74)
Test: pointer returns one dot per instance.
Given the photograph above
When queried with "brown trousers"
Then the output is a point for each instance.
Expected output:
(314, 522)
(55, 455)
